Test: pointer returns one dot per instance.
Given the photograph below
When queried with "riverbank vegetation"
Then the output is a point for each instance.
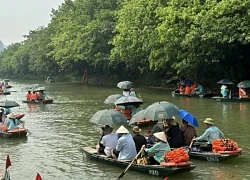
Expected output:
(146, 41)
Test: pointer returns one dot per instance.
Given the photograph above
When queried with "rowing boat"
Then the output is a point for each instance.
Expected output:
(155, 170)
(206, 95)
(215, 156)
(234, 99)
(45, 101)
(14, 133)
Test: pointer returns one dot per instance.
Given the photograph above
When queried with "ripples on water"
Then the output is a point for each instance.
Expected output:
(60, 129)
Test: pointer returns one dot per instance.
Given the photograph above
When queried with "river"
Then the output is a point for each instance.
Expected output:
(58, 131)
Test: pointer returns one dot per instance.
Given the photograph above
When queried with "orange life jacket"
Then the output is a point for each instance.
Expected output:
(242, 93)
(188, 90)
(33, 96)
(193, 86)
(28, 96)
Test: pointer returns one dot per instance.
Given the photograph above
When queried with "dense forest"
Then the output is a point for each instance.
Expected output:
(146, 41)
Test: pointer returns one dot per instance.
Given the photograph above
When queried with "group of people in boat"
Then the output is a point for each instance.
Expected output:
(35, 96)
(190, 89)
(8, 120)
(226, 92)
(122, 145)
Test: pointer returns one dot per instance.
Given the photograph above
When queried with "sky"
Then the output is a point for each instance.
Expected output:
(17, 17)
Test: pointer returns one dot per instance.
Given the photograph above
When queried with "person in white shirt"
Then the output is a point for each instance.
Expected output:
(108, 141)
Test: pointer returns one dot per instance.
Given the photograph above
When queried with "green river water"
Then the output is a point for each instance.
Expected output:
(60, 129)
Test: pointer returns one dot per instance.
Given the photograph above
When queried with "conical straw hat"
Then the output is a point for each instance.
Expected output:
(161, 136)
(122, 130)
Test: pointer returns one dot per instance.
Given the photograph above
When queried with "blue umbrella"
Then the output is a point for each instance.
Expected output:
(225, 81)
(188, 117)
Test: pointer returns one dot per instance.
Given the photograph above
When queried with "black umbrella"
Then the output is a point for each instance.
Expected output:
(128, 100)
(225, 81)
(8, 104)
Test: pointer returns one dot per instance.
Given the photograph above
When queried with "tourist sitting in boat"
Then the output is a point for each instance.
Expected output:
(199, 90)
(242, 93)
(175, 138)
(159, 149)
(188, 90)
(193, 86)
(156, 128)
(12, 122)
(125, 148)
(108, 141)
(125, 92)
(28, 96)
(132, 92)
(138, 139)
(211, 133)
(40, 95)
(33, 96)
(188, 132)
(182, 89)
(224, 91)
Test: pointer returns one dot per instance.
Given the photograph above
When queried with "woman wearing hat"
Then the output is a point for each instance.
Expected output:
(159, 149)
(138, 139)
(224, 91)
(12, 122)
(175, 137)
(108, 141)
(211, 133)
(125, 148)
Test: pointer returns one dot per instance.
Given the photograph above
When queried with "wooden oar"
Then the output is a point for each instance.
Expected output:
(189, 148)
(122, 174)
(24, 127)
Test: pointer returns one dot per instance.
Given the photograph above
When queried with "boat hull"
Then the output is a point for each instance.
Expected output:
(207, 95)
(221, 99)
(5, 93)
(155, 170)
(14, 134)
(212, 156)
(46, 101)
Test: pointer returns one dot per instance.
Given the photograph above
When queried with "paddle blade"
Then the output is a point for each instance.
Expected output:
(8, 163)
(122, 174)
(38, 177)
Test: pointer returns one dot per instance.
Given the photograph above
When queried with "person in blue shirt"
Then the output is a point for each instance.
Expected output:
(224, 91)
(199, 89)
(125, 148)
(211, 133)
(132, 92)
(12, 122)
(159, 149)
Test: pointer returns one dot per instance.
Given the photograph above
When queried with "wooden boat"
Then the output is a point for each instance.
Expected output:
(155, 170)
(5, 93)
(21, 132)
(233, 99)
(215, 156)
(206, 95)
(45, 101)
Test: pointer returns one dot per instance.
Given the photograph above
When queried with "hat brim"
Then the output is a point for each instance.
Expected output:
(207, 122)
